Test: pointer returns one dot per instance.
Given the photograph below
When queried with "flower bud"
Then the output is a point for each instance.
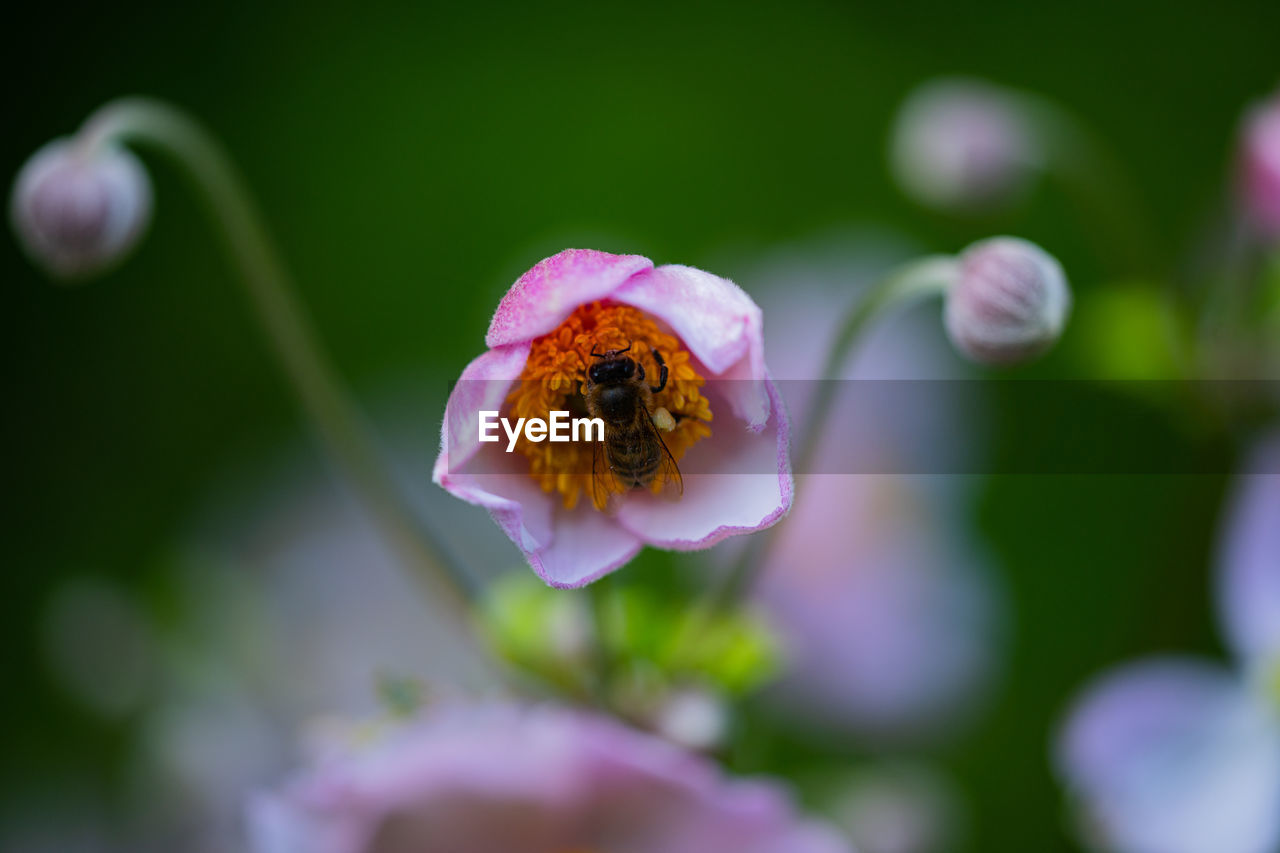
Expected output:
(1259, 167)
(961, 143)
(1009, 303)
(79, 211)
(693, 718)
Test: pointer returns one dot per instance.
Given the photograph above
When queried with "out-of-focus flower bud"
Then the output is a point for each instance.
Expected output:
(1009, 303)
(900, 808)
(693, 718)
(960, 143)
(79, 211)
(1259, 179)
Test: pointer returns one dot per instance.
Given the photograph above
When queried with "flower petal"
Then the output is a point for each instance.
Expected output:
(1175, 756)
(544, 296)
(566, 548)
(718, 322)
(277, 825)
(1249, 564)
(890, 626)
(483, 386)
(586, 546)
(493, 778)
(717, 505)
(480, 473)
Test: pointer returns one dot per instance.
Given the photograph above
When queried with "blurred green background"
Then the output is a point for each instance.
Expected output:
(414, 159)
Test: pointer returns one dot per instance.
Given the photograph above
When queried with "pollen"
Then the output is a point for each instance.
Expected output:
(554, 376)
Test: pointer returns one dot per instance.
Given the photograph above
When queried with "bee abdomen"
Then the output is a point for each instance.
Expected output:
(634, 461)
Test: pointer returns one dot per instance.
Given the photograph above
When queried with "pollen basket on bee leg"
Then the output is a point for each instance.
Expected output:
(554, 377)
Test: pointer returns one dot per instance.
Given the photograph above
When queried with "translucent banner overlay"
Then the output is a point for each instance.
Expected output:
(922, 427)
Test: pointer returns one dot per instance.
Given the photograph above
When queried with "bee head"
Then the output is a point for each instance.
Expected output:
(617, 369)
(613, 366)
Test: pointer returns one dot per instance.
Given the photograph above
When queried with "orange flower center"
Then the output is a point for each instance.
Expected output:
(556, 373)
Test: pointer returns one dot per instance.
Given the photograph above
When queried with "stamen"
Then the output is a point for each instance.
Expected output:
(556, 371)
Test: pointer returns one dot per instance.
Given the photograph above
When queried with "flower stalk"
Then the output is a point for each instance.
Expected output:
(267, 284)
(929, 276)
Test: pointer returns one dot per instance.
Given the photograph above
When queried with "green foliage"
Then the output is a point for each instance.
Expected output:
(626, 641)
(1129, 330)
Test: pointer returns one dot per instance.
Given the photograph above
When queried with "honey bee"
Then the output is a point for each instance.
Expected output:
(633, 451)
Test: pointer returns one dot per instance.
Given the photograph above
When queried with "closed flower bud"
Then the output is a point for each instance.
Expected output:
(1260, 167)
(79, 211)
(961, 144)
(693, 718)
(1009, 303)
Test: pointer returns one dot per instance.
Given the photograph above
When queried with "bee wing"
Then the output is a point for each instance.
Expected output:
(604, 491)
(670, 484)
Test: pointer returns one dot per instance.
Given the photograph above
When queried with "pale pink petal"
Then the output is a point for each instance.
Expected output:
(720, 325)
(587, 545)
(1259, 166)
(544, 296)
(1249, 564)
(890, 628)
(493, 779)
(279, 824)
(1174, 756)
(739, 498)
(566, 548)
(518, 506)
(483, 386)
(482, 473)
(722, 328)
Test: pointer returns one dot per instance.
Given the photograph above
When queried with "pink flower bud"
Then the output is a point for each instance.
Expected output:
(1009, 303)
(1259, 176)
(79, 211)
(961, 143)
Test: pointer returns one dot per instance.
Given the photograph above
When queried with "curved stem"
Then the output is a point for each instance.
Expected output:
(270, 292)
(915, 280)
(919, 279)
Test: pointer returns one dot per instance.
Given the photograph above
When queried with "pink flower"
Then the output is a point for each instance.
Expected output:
(499, 779)
(1259, 180)
(78, 211)
(1177, 754)
(891, 622)
(965, 144)
(730, 433)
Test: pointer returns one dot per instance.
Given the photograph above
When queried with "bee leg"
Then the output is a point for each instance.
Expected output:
(662, 372)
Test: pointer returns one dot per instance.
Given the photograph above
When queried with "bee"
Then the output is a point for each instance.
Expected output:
(633, 451)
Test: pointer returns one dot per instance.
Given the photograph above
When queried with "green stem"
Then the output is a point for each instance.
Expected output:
(916, 280)
(271, 294)
(603, 604)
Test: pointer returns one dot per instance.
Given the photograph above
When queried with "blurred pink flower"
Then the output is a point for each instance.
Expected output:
(78, 210)
(964, 144)
(1259, 179)
(891, 625)
(1179, 755)
(1009, 303)
(741, 482)
(288, 603)
(497, 779)
(900, 807)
